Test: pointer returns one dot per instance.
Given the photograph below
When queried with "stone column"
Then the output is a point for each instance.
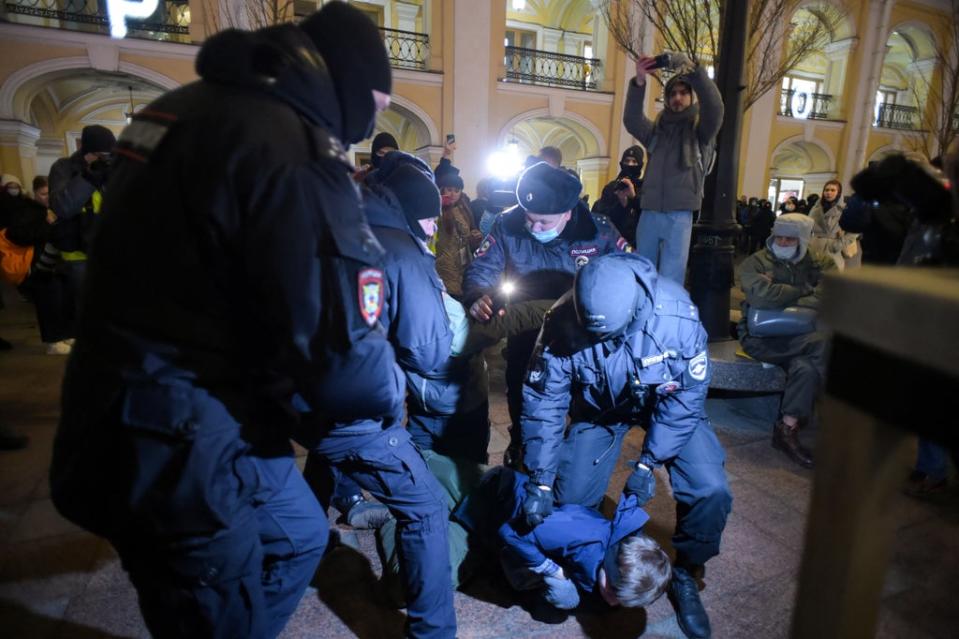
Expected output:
(472, 90)
(837, 53)
(573, 43)
(756, 168)
(551, 39)
(592, 173)
(49, 150)
(18, 150)
(863, 95)
(406, 15)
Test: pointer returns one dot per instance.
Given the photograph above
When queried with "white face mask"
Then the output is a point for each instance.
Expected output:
(785, 252)
(13, 191)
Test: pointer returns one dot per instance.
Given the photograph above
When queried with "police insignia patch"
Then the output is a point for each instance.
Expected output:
(698, 366)
(371, 294)
(487, 243)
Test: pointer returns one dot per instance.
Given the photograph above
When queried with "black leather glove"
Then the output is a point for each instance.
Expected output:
(538, 504)
(97, 173)
(641, 483)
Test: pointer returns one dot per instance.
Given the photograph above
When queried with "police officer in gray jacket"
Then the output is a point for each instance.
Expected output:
(680, 144)
(626, 347)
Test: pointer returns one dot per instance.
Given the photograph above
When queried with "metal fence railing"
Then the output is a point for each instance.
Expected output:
(548, 68)
(407, 49)
(795, 103)
(171, 20)
(897, 116)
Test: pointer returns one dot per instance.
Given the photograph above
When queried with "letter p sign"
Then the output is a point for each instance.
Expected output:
(119, 10)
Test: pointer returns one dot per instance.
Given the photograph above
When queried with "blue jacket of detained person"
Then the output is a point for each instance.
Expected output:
(656, 374)
(414, 315)
(539, 271)
(573, 536)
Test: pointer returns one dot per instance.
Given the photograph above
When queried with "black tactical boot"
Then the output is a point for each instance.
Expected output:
(786, 439)
(362, 514)
(684, 595)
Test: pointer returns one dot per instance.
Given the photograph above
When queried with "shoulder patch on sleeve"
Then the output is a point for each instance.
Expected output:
(698, 366)
(488, 242)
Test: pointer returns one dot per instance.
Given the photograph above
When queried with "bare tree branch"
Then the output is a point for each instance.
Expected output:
(937, 96)
(774, 46)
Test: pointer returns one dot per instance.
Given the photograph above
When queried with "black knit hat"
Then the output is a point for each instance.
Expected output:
(411, 182)
(547, 191)
(451, 179)
(353, 49)
(97, 139)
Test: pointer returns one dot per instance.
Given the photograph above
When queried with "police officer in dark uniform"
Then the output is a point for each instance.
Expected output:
(378, 455)
(223, 278)
(401, 202)
(536, 247)
(626, 347)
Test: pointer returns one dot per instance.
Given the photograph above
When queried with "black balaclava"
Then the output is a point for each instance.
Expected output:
(352, 47)
(382, 139)
(630, 171)
(97, 139)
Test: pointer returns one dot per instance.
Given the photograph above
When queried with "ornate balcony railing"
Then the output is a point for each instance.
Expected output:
(804, 104)
(547, 68)
(407, 50)
(897, 116)
(171, 20)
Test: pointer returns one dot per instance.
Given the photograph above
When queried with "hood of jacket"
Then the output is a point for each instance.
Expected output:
(280, 61)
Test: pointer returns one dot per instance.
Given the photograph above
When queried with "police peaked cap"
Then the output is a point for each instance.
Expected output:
(548, 191)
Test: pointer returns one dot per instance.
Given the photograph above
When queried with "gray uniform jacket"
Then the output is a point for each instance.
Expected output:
(668, 185)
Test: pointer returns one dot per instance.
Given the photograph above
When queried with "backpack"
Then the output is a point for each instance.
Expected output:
(15, 260)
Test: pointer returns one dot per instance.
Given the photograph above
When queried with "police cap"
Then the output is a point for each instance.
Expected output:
(545, 190)
(606, 296)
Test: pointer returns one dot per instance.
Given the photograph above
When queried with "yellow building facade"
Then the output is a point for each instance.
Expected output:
(508, 76)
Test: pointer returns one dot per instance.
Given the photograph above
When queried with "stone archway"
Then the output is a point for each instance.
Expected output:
(44, 106)
(797, 159)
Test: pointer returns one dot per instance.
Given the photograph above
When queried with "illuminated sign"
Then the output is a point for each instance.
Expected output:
(119, 10)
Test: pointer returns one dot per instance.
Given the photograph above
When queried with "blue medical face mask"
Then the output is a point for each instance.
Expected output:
(543, 236)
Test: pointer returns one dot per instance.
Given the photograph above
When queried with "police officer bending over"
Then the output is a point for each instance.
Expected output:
(223, 278)
(537, 247)
(626, 347)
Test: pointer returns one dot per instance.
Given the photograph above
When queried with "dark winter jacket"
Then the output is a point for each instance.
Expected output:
(664, 348)
(539, 271)
(231, 268)
(414, 316)
(884, 227)
(71, 193)
(624, 218)
(671, 183)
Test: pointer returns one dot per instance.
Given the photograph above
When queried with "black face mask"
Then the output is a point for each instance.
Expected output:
(632, 171)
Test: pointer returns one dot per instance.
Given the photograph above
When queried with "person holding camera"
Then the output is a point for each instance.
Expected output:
(76, 194)
(681, 145)
(782, 282)
(620, 199)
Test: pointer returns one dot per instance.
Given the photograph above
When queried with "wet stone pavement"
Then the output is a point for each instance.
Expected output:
(58, 581)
